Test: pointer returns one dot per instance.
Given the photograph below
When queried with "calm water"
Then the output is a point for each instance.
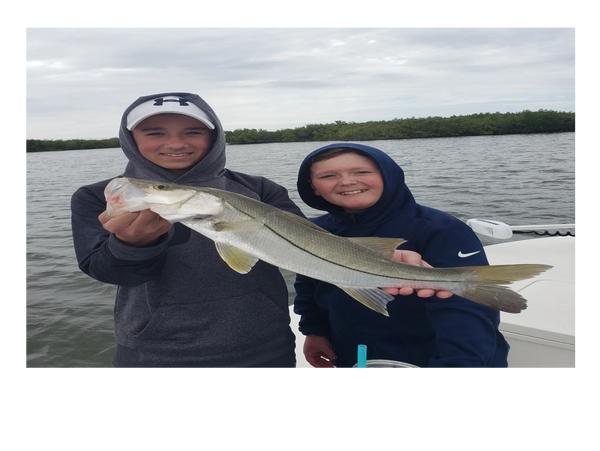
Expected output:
(517, 179)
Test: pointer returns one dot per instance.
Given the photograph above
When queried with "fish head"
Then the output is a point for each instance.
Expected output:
(172, 202)
(121, 196)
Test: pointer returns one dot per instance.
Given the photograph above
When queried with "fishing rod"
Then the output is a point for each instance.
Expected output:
(502, 231)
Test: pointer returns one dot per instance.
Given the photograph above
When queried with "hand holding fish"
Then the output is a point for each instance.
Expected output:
(139, 228)
(414, 258)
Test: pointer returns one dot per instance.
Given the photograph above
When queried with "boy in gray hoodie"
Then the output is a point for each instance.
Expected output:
(178, 304)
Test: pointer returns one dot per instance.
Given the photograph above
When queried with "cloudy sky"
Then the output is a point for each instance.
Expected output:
(80, 80)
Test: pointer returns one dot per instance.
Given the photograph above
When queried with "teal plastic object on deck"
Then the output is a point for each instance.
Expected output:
(362, 356)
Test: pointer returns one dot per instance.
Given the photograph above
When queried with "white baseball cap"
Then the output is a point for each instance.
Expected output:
(167, 104)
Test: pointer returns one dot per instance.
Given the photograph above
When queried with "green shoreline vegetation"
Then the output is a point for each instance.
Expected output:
(541, 121)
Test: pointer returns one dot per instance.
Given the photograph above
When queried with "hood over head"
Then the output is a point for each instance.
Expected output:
(396, 194)
(205, 172)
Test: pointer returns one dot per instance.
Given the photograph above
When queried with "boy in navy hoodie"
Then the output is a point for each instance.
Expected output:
(364, 193)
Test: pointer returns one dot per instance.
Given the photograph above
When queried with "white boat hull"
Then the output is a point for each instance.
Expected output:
(543, 335)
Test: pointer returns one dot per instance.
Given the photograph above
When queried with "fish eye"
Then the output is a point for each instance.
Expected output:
(160, 186)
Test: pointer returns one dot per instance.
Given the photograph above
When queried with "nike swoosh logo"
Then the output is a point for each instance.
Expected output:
(461, 255)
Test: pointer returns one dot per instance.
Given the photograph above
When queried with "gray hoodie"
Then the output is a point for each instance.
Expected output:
(178, 304)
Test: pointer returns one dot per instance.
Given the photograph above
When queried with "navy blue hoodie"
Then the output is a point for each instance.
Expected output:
(427, 332)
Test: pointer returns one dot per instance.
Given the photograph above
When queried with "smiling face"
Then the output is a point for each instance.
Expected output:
(349, 180)
(173, 141)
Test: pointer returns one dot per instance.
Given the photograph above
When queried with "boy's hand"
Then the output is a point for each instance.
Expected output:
(413, 258)
(317, 351)
(139, 228)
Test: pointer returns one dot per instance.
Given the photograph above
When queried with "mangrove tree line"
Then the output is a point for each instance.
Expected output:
(541, 121)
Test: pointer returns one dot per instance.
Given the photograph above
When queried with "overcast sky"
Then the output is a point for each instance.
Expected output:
(79, 81)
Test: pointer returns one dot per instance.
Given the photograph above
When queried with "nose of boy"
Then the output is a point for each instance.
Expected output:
(346, 180)
(175, 143)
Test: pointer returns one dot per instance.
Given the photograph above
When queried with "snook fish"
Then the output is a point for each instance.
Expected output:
(246, 230)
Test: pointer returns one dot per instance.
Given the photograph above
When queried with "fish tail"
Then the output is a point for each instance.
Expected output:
(489, 288)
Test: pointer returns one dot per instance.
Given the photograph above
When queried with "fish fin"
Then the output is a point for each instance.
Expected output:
(497, 297)
(237, 260)
(489, 288)
(374, 298)
(507, 273)
(385, 246)
(249, 224)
